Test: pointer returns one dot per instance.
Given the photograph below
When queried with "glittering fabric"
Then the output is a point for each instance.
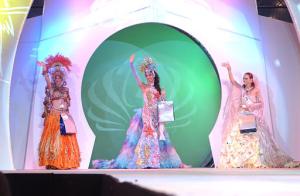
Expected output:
(57, 149)
(142, 147)
(250, 150)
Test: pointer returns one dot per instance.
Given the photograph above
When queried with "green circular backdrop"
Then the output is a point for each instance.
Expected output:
(187, 73)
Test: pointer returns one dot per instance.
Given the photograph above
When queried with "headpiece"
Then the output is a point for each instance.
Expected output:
(148, 66)
(57, 66)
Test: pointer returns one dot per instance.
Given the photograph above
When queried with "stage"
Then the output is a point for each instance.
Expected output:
(196, 181)
(95, 75)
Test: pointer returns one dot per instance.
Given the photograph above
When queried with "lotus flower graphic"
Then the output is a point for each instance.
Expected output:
(110, 94)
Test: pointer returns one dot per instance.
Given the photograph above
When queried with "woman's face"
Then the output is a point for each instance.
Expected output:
(150, 77)
(247, 80)
(58, 81)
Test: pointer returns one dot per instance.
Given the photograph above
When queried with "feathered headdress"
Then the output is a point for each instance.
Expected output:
(148, 66)
(56, 65)
(58, 60)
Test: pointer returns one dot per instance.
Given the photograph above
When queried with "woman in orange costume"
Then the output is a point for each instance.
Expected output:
(58, 148)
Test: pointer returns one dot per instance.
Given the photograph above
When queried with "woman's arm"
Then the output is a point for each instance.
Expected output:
(163, 95)
(138, 80)
(232, 80)
(45, 74)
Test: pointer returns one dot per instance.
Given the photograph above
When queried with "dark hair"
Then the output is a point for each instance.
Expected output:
(156, 82)
(251, 77)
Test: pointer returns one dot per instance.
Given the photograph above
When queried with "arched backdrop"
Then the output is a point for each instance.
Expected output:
(110, 94)
(229, 30)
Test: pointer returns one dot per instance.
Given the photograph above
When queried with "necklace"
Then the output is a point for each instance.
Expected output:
(248, 89)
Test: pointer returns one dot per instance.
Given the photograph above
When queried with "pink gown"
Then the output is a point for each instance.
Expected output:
(251, 150)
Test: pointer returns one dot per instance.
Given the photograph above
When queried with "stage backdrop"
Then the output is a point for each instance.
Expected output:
(228, 29)
(110, 94)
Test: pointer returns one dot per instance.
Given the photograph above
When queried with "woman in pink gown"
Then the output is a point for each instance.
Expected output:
(254, 149)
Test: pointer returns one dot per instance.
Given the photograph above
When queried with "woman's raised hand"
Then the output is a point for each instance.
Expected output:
(226, 65)
(138, 80)
(131, 59)
(42, 64)
(232, 80)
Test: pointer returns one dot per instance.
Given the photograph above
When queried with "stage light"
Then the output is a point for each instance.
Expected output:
(277, 63)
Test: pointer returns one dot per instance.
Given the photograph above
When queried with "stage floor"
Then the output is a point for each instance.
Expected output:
(202, 181)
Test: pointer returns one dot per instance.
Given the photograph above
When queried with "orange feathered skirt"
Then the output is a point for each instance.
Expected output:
(57, 151)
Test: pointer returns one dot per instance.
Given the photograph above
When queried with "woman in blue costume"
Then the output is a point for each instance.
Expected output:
(147, 143)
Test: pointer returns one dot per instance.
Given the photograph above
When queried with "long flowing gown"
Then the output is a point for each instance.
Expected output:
(147, 143)
(250, 150)
(57, 150)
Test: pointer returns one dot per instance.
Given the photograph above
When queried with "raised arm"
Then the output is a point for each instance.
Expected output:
(45, 73)
(231, 78)
(138, 80)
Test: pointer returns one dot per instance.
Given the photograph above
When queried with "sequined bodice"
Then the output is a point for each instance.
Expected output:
(55, 99)
(151, 96)
(248, 99)
(150, 110)
(58, 102)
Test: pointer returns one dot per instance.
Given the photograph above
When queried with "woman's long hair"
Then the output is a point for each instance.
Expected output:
(156, 82)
